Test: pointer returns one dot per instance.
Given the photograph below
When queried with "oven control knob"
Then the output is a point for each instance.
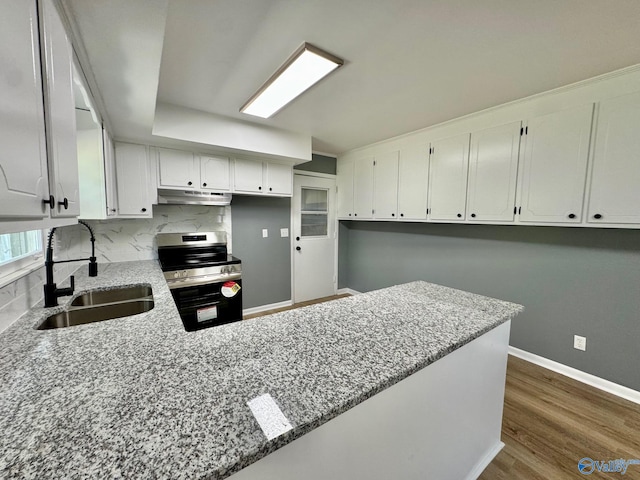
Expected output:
(225, 269)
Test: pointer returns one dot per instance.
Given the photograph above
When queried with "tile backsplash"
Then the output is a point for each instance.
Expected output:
(117, 240)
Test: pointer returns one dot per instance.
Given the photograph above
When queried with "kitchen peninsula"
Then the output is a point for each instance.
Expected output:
(141, 397)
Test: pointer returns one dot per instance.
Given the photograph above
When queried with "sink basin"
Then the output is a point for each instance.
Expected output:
(99, 297)
(102, 305)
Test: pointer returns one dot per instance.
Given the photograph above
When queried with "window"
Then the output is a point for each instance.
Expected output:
(19, 251)
(314, 212)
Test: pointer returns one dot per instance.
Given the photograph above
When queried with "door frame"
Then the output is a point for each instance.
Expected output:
(304, 173)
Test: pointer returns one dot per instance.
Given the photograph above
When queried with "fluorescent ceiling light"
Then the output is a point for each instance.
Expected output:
(307, 66)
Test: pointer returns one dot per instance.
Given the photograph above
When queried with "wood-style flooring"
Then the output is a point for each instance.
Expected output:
(551, 422)
(295, 305)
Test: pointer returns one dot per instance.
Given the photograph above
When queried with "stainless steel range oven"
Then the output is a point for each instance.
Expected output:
(206, 282)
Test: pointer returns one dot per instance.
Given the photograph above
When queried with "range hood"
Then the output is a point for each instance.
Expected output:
(193, 197)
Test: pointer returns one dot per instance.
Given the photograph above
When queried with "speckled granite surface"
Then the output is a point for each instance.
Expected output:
(139, 397)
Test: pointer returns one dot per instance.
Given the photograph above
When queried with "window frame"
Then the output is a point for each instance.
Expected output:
(23, 265)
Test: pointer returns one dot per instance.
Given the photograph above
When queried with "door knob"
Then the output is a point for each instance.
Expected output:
(298, 248)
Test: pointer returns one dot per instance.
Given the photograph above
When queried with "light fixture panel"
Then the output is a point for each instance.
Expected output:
(306, 67)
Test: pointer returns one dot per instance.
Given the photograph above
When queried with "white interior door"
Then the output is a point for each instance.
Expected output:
(314, 237)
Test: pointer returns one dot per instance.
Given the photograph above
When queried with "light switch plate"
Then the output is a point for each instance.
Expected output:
(284, 232)
(265, 233)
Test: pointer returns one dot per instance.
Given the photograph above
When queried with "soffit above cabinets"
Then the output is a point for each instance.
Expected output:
(409, 64)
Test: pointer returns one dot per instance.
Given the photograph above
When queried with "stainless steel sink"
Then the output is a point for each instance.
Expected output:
(100, 297)
(102, 305)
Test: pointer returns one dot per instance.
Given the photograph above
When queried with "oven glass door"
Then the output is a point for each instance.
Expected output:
(208, 305)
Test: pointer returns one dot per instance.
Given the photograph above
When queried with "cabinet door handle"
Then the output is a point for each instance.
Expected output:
(259, 188)
(270, 189)
(144, 210)
(459, 215)
(51, 201)
(402, 214)
(597, 216)
(204, 184)
(64, 203)
(473, 215)
(393, 214)
(189, 183)
(572, 215)
(355, 214)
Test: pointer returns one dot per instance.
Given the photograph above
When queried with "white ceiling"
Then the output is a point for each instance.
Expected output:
(409, 64)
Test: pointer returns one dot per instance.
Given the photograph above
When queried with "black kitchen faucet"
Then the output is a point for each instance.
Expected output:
(51, 292)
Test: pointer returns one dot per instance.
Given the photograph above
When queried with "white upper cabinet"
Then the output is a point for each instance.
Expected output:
(385, 186)
(60, 114)
(214, 173)
(553, 166)
(262, 178)
(248, 176)
(178, 169)
(23, 158)
(344, 183)
(413, 177)
(133, 176)
(493, 170)
(449, 165)
(110, 174)
(363, 188)
(279, 179)
(615, 179)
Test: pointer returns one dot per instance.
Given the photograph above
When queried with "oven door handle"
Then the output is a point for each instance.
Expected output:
(194, 282)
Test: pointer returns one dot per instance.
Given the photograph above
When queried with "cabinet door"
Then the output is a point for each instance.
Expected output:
(178, 169)
(344, 182)
(60, 114)
(23, 157)
(493, 169)
(363, 188)
(248, 176)
(448, 178)
(413, 180)
(132, 176)
(110, 174)
(615, 181)
(214, 173)
(385, 187)
(554, 166)
(279, 179)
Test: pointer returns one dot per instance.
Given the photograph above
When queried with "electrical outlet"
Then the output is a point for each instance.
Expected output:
(580, 343)
(265, 233)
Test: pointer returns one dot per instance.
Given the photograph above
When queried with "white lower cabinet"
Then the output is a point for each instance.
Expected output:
(344, 184)
(449, 165)
(493, 170)
(614, 195)
(553, 166)
(385, 185)
(413, 179)
(363, 188)
(133, 178)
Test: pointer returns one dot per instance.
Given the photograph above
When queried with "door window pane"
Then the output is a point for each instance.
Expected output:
(314, 212)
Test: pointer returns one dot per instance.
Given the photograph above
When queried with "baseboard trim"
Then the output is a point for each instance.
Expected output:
(597, 382)
(484, 463)
(264, 308)
(350, 291)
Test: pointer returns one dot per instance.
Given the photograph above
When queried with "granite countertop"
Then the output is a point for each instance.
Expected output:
(141, 397)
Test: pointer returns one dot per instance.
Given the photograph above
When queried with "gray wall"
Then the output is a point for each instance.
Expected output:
(266, 262)
(318, 164)
(571, 281)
